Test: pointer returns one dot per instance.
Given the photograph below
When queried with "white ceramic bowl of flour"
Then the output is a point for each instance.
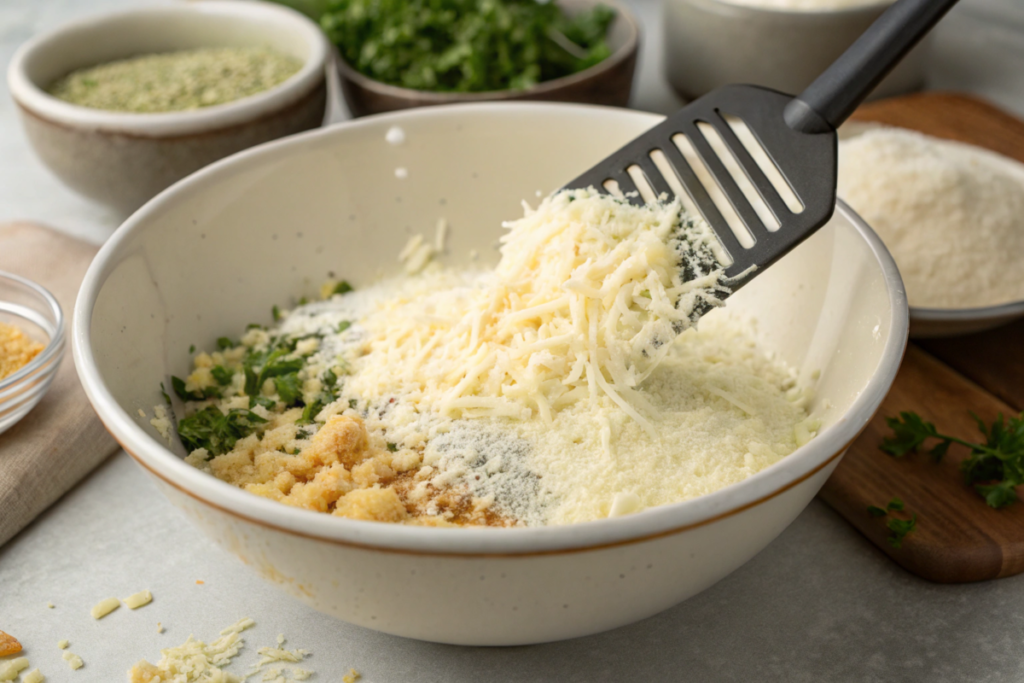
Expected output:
(214, 251)
(953, 216)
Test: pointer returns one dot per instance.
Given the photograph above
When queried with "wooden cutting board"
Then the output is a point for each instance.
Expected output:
(958, 537)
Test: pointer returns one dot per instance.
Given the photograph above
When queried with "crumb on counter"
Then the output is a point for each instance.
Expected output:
(9, 670)
(351, 677)
(50, 605)
(16, 349)
(200, 582)
(73, 660)
(161, 422)
(159, 627)
(139, 599)
(194, 661)
(63, 644)
(104, 607)
(33, 676)
(9, 645)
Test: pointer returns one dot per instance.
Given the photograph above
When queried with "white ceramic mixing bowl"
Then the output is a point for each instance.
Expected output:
(212, 253)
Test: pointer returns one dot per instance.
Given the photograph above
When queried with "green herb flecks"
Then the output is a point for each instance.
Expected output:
(178, 385)
(222, 374)
(466, 45)
(342, 287)
(215, 431)
(994, 468)
(898, 527)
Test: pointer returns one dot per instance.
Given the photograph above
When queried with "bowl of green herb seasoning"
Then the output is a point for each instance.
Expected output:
(121, 105)
(397, 54)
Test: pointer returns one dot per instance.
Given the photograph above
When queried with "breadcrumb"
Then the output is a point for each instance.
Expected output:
(9, 645)
(9, 670)
(16, 349)
(33, 676)
(351, 677)
(63, 644)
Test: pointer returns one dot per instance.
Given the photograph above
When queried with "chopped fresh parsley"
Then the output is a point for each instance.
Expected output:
(163, 392)
(223, 343)
(466, 45)
(215, 431)
(275, 312)
(342, 287)
(898, 527)
(191, 349)
(344, 325)
(392, 447)
(178, 384)
(254, 326)
(994, 468)
(309, 412)
(352, 403)
(289, 387)
(222, 374)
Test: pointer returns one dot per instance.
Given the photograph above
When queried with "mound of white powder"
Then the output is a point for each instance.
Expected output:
(952, 215)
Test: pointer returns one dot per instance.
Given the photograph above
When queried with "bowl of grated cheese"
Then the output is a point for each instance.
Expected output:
(490, 435)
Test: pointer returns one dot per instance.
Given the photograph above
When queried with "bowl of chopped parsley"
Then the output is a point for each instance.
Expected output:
(398, 54)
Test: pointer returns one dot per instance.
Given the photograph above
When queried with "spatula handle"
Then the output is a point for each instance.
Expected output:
(833, 96)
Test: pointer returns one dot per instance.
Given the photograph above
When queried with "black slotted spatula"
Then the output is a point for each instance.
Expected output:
(782, 150)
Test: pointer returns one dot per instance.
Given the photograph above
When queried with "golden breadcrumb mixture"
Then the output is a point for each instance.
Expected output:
(16, 349)
(344, 471)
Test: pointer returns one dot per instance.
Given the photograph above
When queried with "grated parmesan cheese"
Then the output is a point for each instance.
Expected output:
(9, 670)
(104, 607)
(73, 660)
(63, 644)
(139, 599)
(33, 676)
(951, 214)
(194, 661)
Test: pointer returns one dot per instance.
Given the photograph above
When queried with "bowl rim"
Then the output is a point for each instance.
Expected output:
(875, 6)
(55, 344)
(624, 53)
(649, 524)
(38, 102)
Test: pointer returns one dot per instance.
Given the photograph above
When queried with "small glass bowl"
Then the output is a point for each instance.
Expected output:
(30, 307)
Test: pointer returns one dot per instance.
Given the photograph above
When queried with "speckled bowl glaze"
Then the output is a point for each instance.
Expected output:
(183, 270)
(608, 82)
(123, 159)
(711, 43)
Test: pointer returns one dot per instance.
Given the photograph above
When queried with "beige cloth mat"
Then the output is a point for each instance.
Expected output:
(61, 440)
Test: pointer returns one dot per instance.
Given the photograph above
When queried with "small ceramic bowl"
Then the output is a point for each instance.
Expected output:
(608, 82)
(180, 272)
(711, 43)
(928, 323)
(36, 312)
(122, 159)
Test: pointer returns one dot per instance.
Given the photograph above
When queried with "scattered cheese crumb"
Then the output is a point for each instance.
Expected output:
(351, 677)
(194, 661)
(161, 422)
(139, 599)
(301, 674)
(73, 660)
(440, 235)
(9, 645)
(33, 676)
(142, 413)
(624, 503)
(10, 670)
(104, 607)
(401, 173)
(395, 135)
(280, 639)
(63, 644)
(50, 605)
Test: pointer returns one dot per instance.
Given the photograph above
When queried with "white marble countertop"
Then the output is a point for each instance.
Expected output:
(819, 604)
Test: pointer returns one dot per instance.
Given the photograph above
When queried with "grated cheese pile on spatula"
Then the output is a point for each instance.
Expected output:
(587, 297)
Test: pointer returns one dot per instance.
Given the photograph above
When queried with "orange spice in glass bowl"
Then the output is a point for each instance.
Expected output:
(31, 345)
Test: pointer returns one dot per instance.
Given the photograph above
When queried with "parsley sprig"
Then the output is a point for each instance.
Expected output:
(994, 468)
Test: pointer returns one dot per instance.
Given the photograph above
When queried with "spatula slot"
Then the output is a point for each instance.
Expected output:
(714, 191)
(613, 188)
(643, 185)
(760, 156)
(728, 159)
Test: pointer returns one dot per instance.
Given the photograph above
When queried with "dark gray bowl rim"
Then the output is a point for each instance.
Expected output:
(545, 87)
